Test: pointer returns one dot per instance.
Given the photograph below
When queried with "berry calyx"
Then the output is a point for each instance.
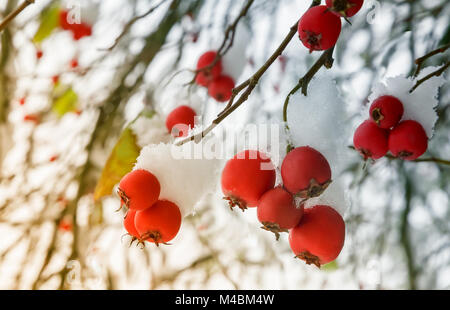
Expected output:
(306, 172)
(371, 141)
(160, 223)
(386, 111)
(408, 140)
(345, 8)
(246, 178)
(206, 72)
(139, 190)
(221, 88)
(319, 237)
(180, 120)
(278, 212)
(319, 29)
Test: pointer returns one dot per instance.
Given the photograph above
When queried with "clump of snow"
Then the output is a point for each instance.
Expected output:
(150, 130)
(419, 105)
(320, 121)
(235, 60)
(335, 196)
(186, 177)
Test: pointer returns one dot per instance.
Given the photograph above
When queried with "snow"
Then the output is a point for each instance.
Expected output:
(419, 105)
(150, 130)
(185, 180)
(320, 121)
(235, 60)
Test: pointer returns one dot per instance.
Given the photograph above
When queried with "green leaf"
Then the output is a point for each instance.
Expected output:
(49, 21)
(333, 266)
(65, 103)
(119, 163)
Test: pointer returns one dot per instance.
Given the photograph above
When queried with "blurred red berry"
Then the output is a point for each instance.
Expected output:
(180, 120)
(221, 88)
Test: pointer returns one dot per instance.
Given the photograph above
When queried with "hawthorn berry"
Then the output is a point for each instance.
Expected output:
(306, 172)
(408, 140)
(55, 79)
(319, 28)
(128, 223)
(180, 120)
(160, 223)
(81, 30)
(319, 237)
(139, 190)
(246, 177)
(386, 111)
(32, 118)
(63, 20)
(39, 54)
(22, 101)
(371, 141)
(206, 74)
(74, 63)
(278, 212)
(345, 8)
(221, 88)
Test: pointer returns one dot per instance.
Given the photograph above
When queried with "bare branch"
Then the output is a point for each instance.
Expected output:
(14, 13)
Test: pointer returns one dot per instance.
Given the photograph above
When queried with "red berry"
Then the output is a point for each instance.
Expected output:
(306, 172)
(319, 237)
(32, 118)
(277, 211)
(221, 88)
(319, 29)
(246, 178)
(160, 223)
(408, 140)
(63, 20)
(65, 225)
(22, 101)
(128, 223)
(55, 79)
(206, 76)
(345, 8)
(74, 63)
(39, 54)
(139, 190)
(386, 111)
(371, 141)
(180, 120)
(53, 158)
(81, 30)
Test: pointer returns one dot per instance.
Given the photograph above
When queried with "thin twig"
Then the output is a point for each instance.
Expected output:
(436, 73)
(420, 61)
(14, 13)
(131, 23)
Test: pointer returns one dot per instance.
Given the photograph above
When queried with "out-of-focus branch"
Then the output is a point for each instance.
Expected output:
(4, 23)
(132, 22)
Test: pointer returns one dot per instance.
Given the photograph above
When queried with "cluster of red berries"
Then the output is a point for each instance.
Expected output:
(210, 75)
(78, 30)
(320, 27)
(148, 218)
(385, 131)
(180, 120)
(316, 234)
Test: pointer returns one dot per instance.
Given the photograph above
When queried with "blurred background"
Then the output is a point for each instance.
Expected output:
(65, 102)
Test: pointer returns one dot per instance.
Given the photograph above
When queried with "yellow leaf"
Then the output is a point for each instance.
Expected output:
(120, 162)
(49, 22)
(65, 103)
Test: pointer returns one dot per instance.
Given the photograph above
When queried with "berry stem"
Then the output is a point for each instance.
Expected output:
(14, 13)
